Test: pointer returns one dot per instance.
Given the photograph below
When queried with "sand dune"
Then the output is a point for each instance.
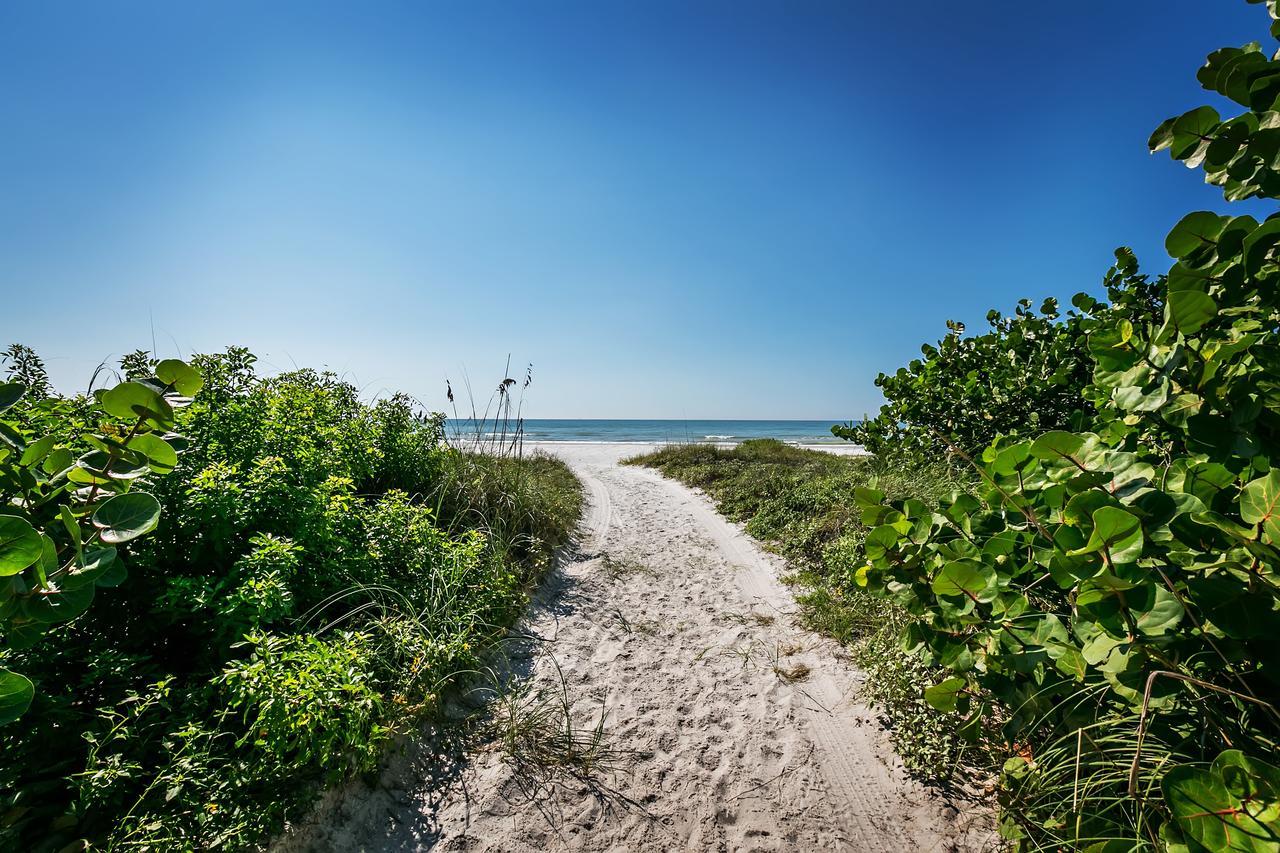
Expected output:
(741, 731)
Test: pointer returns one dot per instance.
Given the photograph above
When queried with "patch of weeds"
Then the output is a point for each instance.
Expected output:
(637, 626)
(791, 674)
(616, 569)
(535, 730)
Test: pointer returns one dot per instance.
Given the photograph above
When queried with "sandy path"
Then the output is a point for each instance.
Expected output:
(675, 623)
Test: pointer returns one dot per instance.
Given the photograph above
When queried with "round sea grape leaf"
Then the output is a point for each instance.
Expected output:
(184, 378)
(1212, 814)
(16, 693)
(1161, 138)
(12, 437)
(1068, 659)
(1059, 445)
(880, 541)
(26, 634)
(970, 578)
(1189, 310)
(1205, 480)
(1163, 615)
(126, 517)
(1181, 407)
(86, 477)
(1194, 232)
(10, 394)
(1136, 398)
(1080, 509)
(56, 607)
(1260, 505)
(160, 456)
(1229, 526)
(1264, 89)
(1191, 130)
(133, 400)
(58, 461)
(97, 561)
(1014, 458)
(1116, 532)
(20, 545)
(36, 451)
(944, 695)
(865, 497)
(115, 575)
(1259, 244)
(1228, 605)
(1251, 780)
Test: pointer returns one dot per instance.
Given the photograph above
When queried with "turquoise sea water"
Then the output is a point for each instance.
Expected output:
(794, 432)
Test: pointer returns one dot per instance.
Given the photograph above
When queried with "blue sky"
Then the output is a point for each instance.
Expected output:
(672, 209)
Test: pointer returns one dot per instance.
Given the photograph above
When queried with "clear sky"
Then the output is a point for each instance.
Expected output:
(672, 209)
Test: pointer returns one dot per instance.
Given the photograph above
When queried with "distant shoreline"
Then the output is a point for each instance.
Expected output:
(649, 431)
(840, 449)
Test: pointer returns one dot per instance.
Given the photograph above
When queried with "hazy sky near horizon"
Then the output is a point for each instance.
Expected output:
(672, 209)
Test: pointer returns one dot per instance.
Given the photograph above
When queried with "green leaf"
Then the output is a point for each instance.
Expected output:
(20, 545)
(1260, 504)
(865, 497)
(969, 578)
(1195, 232)
(184, 378)
(1117, 533)
(944, 695)
(160, 456)
(1163, 615)
(10, 394)
(1160, 139)
(16, 693)
(1191, 131)
(95, 563)
(133, 400)
(1190, 310)
(126, 517)
(1213, 815)
(36, 451)
(58, 461)
(1057, 445)
(1258, 245)
(880, 541)
(59, 607)
(69, 522)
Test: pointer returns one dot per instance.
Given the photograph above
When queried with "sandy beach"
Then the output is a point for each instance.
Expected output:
(739, 730)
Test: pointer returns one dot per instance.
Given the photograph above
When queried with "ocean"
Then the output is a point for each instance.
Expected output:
(650, 431)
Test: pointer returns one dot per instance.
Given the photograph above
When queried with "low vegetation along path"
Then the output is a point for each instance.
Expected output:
(727, 726)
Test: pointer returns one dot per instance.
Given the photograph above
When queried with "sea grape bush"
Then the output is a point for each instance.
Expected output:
(70, 501)
(1027, 374)
(966, 390)
(1108, 596)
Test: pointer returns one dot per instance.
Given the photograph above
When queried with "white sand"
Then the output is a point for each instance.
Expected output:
(729, 755)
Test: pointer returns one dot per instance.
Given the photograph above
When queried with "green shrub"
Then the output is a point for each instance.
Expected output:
(307, 702)
(1108, 597)
(1026, 375)
(323, 570)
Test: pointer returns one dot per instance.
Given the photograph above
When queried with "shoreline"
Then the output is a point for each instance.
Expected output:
(641, 446)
